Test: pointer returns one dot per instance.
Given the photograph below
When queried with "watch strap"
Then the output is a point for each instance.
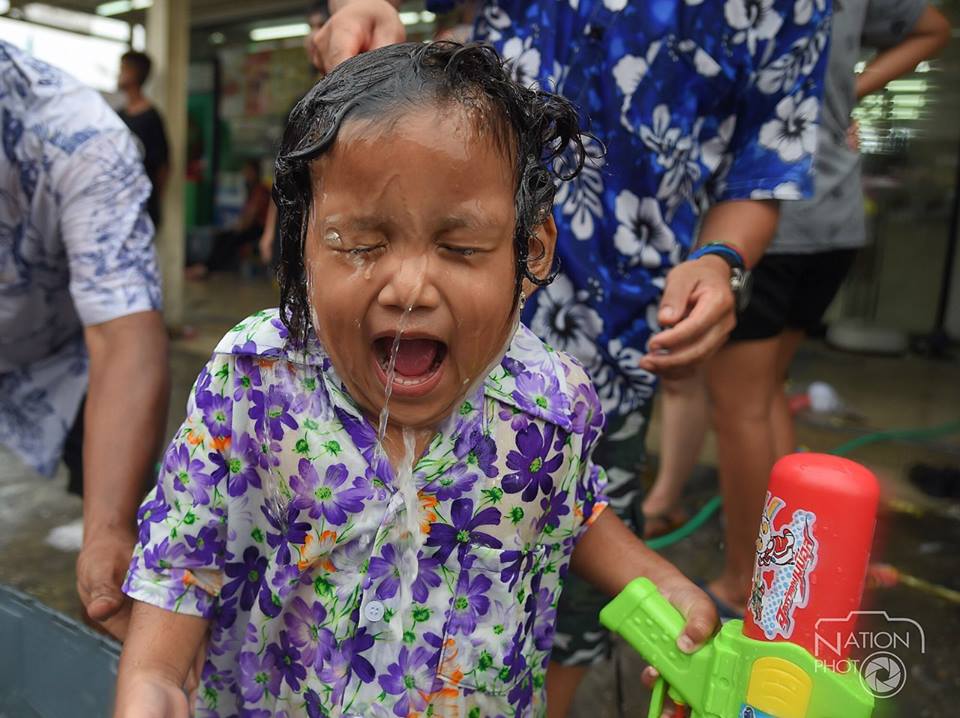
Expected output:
(729, 254)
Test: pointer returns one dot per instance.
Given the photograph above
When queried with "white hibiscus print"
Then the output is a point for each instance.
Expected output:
(705, 65)
(713, 150)
(642, 234)
(615, 5)
(565, 323)
(667, 142)
(522, 60)
(675, 152)
(624, 387)
(803, 10)
(753, 20)
(783, 73)
(494, 21)
(784, 190)
(579, 198)
(628, 73)
(557, 77)
(793, 134)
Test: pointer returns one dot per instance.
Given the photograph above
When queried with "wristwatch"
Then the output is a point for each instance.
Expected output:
(740, 278)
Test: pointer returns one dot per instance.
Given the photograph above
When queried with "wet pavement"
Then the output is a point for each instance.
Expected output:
(917, 535)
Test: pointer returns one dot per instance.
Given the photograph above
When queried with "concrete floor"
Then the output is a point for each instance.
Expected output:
(918, 535)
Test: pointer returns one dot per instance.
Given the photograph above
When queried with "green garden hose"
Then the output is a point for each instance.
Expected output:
(848, 447)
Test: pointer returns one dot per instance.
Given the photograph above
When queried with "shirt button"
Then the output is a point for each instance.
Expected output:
(373, 611)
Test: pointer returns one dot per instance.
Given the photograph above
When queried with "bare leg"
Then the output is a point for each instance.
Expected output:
(685, 422)
(784, 434)
(562, 682)
(741, 378)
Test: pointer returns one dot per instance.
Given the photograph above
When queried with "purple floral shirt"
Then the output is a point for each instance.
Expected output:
(275, 517)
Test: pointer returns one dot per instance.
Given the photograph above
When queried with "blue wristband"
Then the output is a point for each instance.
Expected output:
(725, 251)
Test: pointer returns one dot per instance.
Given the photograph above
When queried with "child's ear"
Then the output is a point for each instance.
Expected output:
(543, 245)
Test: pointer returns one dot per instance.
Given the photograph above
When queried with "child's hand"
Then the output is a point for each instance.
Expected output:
(695, 606)
(145, 695)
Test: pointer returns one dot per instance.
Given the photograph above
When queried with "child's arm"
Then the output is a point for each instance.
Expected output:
(158, 651)
(609, 556)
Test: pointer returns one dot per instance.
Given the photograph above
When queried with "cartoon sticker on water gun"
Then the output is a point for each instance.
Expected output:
(779, 549)
(770, 509)
(786, 555)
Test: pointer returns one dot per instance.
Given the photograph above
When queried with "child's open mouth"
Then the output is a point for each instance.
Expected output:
(418, 363)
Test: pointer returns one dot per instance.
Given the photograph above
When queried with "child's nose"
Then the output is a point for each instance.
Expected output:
(410, 285)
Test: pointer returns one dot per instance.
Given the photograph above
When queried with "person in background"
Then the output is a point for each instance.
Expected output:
(707, 112)
(145, 122)
(796, 280)
(684, 421)
(244, 231)
(83, 347)
(318, 12)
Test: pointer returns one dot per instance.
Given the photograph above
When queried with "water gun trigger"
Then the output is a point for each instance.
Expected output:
(661, 689)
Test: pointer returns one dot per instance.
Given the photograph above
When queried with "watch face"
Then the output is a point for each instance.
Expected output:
(741, 281)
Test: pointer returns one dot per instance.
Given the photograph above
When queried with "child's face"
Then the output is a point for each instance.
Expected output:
(414, 215)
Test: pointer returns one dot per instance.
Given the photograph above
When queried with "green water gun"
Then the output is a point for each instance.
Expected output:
(731, 676)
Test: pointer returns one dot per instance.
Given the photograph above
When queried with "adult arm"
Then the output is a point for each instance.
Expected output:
(355, 26)
(157, 654)
(770, 157)
(697, 303)
(124, 420)
(115, 286)
(929, 35)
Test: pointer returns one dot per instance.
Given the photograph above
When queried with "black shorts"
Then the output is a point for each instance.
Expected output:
(792, 291)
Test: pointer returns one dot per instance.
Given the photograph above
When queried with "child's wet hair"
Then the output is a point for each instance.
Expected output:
(538, 131)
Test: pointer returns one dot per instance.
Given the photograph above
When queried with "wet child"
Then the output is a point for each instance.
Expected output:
(380, 487)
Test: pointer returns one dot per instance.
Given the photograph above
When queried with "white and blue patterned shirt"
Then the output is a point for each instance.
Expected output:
(695, 103)
(76, 246)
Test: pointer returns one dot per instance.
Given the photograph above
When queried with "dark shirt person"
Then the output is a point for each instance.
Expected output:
(245, 230)
(318, 12)
(145, 122)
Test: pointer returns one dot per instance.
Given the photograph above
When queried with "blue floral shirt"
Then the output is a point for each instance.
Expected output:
(695, 102)
(76, 246)
(334, 586)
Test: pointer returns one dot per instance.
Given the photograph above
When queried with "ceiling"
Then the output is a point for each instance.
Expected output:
(204, 14)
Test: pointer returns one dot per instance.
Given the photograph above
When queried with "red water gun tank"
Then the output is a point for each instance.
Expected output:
(812, 554)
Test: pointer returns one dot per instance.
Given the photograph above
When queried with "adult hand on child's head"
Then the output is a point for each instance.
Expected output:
(356, 26)
(695, 606)
(699, 309)
(101, 567)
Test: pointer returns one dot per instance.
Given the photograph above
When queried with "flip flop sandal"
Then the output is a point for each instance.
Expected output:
(725, 611)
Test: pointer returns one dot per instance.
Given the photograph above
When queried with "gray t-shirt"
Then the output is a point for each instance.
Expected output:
(833, 219)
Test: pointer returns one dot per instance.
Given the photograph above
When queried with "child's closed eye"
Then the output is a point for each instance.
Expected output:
(460, 250)
(363, 250)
